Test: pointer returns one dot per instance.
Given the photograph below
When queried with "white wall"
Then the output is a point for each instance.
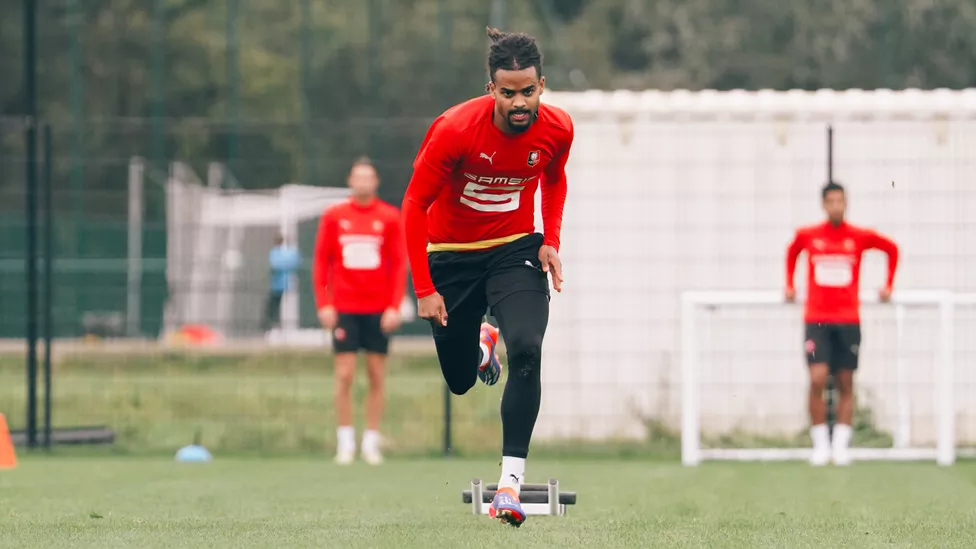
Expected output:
(702, 191)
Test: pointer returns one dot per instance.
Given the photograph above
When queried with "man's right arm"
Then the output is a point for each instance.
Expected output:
(431, 171)
(322, 262)
(792, 254)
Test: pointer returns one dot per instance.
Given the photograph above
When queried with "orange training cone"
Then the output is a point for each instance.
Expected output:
(8, 458)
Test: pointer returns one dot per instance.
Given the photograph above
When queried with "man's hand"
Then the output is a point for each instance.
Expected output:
(551, 263)
(328, 317)
(390, 321)
(885, 294)
(790, 295)
(432, 308)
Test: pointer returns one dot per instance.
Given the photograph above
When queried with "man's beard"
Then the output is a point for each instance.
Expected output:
(521, 126)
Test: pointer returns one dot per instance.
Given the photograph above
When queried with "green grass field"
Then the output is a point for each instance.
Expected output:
(108, 502)
(268, 419)
(264, 403)
(244, 403)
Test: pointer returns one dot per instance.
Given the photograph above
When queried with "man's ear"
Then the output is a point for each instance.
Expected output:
(542, 84)
(490, 88)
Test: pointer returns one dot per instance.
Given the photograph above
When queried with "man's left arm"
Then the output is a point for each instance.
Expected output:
(877, 241)
(554, 188)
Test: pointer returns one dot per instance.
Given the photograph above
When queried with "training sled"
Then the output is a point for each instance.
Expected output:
(536, 499)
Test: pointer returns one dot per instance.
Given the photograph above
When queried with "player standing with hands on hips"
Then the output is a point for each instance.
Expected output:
(470, 227)
(360, 276)
(832, 314)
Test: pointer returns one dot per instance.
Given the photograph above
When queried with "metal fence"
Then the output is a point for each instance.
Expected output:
(280, 93)
(92, 205)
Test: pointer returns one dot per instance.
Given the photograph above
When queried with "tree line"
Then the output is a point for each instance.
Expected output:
(292, 91)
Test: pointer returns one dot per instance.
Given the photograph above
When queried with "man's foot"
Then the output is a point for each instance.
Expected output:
(820, 437)
(370, 448)
(842, 457)
(491, 370)
(372, 456)
(820, 457)
(841, 444)
(506, 508)
(345, 456)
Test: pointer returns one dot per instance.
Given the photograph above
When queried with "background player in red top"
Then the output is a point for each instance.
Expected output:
(470, 226)
(832, 314)
(359, 273)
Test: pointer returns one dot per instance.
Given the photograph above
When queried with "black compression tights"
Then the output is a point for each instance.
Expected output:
(522, 319)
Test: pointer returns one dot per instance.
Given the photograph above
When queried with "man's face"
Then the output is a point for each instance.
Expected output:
(363, 181)
(835, 204)
(517, 96)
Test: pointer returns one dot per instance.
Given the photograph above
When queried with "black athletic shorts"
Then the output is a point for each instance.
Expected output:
(837, 345)
(355, 332)
(473, 281)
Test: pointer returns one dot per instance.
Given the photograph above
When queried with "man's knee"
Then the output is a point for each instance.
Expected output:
(458, 354)
(460, 386)
(845, 382)
(524, 353)
(345, 369)
(818, 377)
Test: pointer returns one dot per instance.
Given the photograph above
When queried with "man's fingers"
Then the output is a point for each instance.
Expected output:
(557, 276)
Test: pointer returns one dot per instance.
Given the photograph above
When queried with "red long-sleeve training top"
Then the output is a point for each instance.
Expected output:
(834, 268)
(473, 186)
(360, 264)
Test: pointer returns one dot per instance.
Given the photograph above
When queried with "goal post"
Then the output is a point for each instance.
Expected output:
(926, 318)
(218, 241)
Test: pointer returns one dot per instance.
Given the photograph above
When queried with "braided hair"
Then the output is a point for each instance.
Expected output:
(512, 52)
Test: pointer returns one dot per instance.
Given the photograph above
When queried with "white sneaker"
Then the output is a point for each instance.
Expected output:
(820, 456)
(842, 455)
(372, 456)
(842, 443)
(345, 456)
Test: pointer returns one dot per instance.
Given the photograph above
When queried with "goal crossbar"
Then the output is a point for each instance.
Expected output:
(692, 452)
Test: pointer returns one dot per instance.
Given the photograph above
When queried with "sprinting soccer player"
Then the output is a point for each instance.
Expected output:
(832, 314)
(360, 276)
(470, 221)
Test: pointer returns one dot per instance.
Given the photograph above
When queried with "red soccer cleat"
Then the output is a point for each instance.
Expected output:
(491, 371)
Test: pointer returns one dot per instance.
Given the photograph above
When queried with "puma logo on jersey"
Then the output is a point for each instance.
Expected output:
(490, 159)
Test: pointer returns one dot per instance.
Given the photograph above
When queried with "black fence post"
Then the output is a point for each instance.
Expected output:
(30, 207)
(48, 280)
(830, 388)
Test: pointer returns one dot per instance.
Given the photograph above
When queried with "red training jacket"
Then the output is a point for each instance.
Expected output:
(360, 263)
(834, 268)
(473, 186)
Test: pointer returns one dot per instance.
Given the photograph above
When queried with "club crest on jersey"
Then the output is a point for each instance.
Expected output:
(533, 158)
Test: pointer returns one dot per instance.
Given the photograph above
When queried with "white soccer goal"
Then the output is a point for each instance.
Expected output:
(217, 252)
(744, 378)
